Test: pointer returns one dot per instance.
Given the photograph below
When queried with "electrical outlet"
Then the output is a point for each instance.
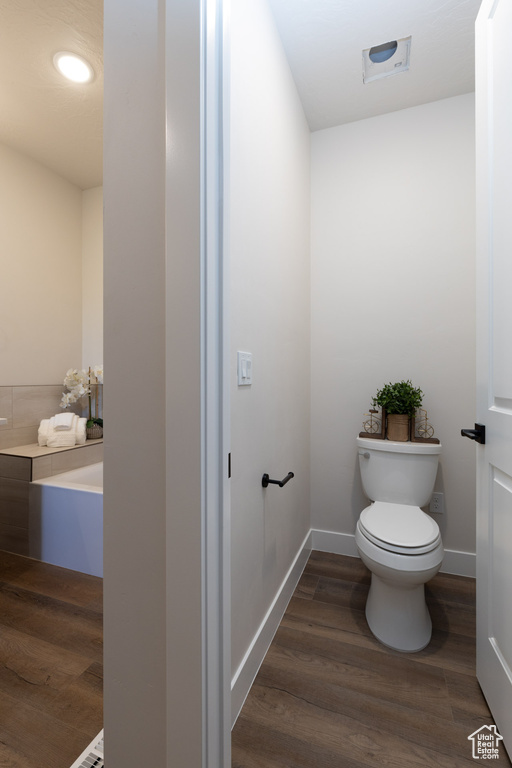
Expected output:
(437, 503)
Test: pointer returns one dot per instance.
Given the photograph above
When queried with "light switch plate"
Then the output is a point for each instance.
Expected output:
(244, 367)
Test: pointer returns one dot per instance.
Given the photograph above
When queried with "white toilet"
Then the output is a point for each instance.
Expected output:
(397, 541)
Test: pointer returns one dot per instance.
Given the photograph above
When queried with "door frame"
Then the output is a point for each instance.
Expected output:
(216, 428)
(495, 456)
(166, 500)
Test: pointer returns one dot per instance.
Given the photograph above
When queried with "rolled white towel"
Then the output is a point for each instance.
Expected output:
(81, 433)
(63, 421)
(62, 438)
(42, 432)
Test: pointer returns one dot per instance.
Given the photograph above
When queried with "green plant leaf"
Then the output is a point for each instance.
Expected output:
(401, 397)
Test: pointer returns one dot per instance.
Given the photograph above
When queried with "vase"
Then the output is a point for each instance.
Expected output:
(94, 432)
(397, 427)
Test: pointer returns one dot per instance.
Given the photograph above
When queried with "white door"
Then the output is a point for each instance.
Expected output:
(494, 359)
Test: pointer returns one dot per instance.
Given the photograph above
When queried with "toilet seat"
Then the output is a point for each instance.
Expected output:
(399, 528)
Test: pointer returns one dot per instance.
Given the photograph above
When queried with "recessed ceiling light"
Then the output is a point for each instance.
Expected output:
(73, 67)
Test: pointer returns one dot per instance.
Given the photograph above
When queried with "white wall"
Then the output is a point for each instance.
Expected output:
(269, 263)
(92, 277)
(40, 282)
(51, 312)
(393, 296)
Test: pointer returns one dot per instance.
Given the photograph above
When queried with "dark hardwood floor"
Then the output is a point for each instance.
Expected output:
(329, 695)
(51, 671)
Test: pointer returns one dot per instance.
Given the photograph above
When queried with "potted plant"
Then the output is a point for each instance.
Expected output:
(85, 384)
(400, 401)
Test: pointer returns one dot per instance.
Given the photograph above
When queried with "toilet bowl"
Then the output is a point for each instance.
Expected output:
(398, 542)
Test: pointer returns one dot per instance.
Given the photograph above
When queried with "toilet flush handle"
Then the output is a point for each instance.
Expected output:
(364, 454)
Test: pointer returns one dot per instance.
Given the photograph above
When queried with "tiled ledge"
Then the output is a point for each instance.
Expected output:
(34, 450)
(33, 462)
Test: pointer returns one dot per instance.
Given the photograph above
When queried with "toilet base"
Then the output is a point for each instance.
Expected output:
(398, 616)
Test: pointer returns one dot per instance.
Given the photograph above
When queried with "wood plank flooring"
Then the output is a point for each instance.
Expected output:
(329, 695)
(51, 670)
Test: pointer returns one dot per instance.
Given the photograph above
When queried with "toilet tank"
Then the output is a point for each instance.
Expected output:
(403, 473)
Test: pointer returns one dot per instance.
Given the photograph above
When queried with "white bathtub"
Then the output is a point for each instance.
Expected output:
(66, 519)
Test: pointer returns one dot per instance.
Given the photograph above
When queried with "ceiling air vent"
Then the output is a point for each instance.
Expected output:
(386, 59)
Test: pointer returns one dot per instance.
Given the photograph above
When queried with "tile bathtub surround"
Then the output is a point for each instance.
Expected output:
(14, 511)
(15, 467)
(33, 462)
(65, 461)
(6, 406)
(18, 466)
(24, 407)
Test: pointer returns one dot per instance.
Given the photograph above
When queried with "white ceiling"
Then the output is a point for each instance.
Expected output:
(324, 40)
(61, 124)
(41, 114)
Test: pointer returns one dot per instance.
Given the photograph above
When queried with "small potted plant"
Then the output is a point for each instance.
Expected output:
(85, 384)
(400, 401)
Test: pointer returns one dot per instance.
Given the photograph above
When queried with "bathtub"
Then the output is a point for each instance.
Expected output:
(66, 519)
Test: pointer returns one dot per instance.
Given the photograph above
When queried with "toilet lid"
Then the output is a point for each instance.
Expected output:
(399, 528)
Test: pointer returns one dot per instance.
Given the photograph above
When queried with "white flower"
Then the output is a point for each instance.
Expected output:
(69, 381)
(82, 384)
(98, 373)
(75, 378)
(66, 400)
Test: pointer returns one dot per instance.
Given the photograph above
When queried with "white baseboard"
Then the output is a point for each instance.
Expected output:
(248, 669)
(459, 563)
(330, 541)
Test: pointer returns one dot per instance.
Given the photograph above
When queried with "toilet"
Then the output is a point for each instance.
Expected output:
(399, 543)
